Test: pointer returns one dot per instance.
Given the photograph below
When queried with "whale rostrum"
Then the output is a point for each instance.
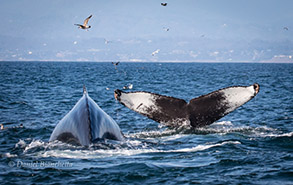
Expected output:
(199, 112)
(86, 123)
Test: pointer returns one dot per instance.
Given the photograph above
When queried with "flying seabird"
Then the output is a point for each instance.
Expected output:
(107, 41)
(115, 63)
(164, 4)
(286, 28)
(84, 26)
(130, 86)
(155, 52)
(166, 29)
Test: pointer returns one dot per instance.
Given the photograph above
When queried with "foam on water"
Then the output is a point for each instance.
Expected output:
(263, 134)
(34, 144)
(38, 148)
(8, 155)
(106, 153)
(205, 147)
(144, 142)
(21, 144)
(223, 127)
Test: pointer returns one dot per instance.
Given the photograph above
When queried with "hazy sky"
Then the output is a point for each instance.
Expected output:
(45, 21)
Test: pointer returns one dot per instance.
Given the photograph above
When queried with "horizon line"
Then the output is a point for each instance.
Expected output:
(158, 61)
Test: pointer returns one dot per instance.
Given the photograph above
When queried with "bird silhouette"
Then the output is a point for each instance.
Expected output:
(107, 41)
(166, 29)
(115, 63)
(164, 4)
(84, 26)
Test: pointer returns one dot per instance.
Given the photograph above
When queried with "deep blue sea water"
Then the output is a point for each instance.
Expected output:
(252, 145)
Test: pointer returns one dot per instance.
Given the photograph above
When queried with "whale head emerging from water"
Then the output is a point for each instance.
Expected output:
(85, 124)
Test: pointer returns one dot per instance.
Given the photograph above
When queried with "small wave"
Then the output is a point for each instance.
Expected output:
(90, 153)
(222, 128)
(290, 134)
(8, 155)
(39, 145)
(33, 145)
(3, 107)
(152, 134)
(18, 102)
(204, 147)
(228, 123)
(227, 128)
(173, 137)
(21, 144)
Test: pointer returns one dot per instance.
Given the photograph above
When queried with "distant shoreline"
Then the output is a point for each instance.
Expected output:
(167, 61)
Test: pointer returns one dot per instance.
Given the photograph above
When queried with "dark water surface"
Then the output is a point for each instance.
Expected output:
(252, 145)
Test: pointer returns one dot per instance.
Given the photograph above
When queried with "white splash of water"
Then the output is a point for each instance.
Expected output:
(173, 137)
(102, 153)
(204, 147)
(9, 155)
(21, 144)
(228, 123)
(34, 144)
(135, 146)
(264, 134)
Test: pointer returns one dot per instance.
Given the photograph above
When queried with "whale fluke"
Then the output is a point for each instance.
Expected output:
(85, 124)
(199, 112)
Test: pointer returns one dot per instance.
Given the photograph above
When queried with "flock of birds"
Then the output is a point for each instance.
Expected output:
(85, 26)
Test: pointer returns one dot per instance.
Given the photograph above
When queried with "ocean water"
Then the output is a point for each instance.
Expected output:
(252, 145)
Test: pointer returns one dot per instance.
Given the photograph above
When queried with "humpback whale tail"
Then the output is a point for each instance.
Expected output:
(85, 124)
(200, 111)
